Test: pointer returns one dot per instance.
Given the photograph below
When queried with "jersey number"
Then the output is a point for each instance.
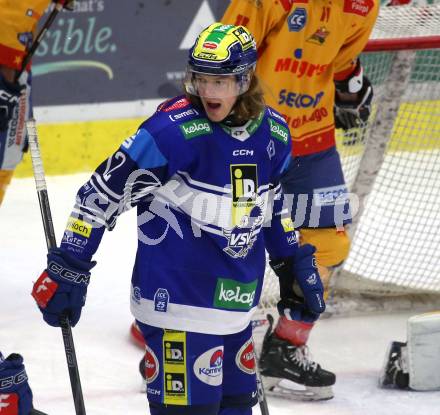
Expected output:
(120, 160)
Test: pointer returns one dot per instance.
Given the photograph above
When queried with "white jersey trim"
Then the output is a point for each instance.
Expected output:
(190, 318)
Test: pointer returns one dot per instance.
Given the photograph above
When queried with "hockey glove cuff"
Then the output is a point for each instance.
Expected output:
(301, 289)
(62, 287)
(308, 279)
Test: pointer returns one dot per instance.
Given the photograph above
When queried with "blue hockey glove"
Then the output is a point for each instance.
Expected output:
(62, 287)
(308, 279)
(296, 310)
(9, 97)
(15, 393)
(301, 289)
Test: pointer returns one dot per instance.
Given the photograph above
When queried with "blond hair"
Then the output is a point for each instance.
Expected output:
(248, 105)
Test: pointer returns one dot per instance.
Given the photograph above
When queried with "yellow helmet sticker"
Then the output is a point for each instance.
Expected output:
(215, 42)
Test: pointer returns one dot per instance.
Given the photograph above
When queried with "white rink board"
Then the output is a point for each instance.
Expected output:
(352, 347)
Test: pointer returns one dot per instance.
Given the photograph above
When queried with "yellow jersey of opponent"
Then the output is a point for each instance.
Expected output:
(18, 23)
(304, 45)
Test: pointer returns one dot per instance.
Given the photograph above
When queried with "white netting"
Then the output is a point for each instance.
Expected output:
(406, 22)
(393, 166)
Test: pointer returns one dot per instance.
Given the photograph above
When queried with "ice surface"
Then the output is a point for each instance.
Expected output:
(352, 347)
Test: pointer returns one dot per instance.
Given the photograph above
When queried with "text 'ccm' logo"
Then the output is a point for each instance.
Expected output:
(13, 380)
(68, 274)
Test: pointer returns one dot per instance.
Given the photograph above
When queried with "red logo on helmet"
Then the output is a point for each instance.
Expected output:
(210, 45)
(245, 358)
(151, 365)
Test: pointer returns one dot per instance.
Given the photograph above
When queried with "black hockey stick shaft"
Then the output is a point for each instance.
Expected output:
(261, 395)
(49, 232)
(53, 14)
(260, 387)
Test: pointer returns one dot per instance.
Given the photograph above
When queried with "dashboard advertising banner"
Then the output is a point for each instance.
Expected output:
(111, 51)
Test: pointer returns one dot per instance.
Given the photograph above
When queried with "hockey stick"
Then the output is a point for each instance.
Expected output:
(261, 394)
(262, 401)
(49, 233)
(57, 8)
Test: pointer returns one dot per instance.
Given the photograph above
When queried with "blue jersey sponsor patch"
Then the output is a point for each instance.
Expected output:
(297, 20)
(161, 299)
(334, 195)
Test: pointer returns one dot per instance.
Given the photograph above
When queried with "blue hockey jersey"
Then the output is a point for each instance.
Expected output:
(208, 204)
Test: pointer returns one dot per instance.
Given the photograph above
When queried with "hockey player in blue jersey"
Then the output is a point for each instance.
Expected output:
(203, 172)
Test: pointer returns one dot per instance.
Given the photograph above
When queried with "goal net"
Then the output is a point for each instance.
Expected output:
(392, 168)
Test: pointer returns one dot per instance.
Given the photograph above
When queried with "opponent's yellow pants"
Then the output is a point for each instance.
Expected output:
(5, 179)
(332, 247)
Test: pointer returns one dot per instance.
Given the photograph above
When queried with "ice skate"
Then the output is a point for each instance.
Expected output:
(283, 367)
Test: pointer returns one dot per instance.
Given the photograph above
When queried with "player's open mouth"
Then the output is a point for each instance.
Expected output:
(213, 105)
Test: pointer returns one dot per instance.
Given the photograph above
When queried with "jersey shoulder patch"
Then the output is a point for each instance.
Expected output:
(191, 122)
(172, 104)
(276, 115)
(169, 115)
(174, 123)
(175, 112)
(278, 126)
(196, 127)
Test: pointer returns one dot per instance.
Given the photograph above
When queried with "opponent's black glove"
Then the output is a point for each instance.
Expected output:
(353, 100)
(9, 98)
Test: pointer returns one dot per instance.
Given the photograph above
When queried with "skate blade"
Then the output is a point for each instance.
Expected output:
(278, 388)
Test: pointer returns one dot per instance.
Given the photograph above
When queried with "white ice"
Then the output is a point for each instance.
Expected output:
(352, 347)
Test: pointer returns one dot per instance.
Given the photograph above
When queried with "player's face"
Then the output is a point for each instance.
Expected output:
(218, 94)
